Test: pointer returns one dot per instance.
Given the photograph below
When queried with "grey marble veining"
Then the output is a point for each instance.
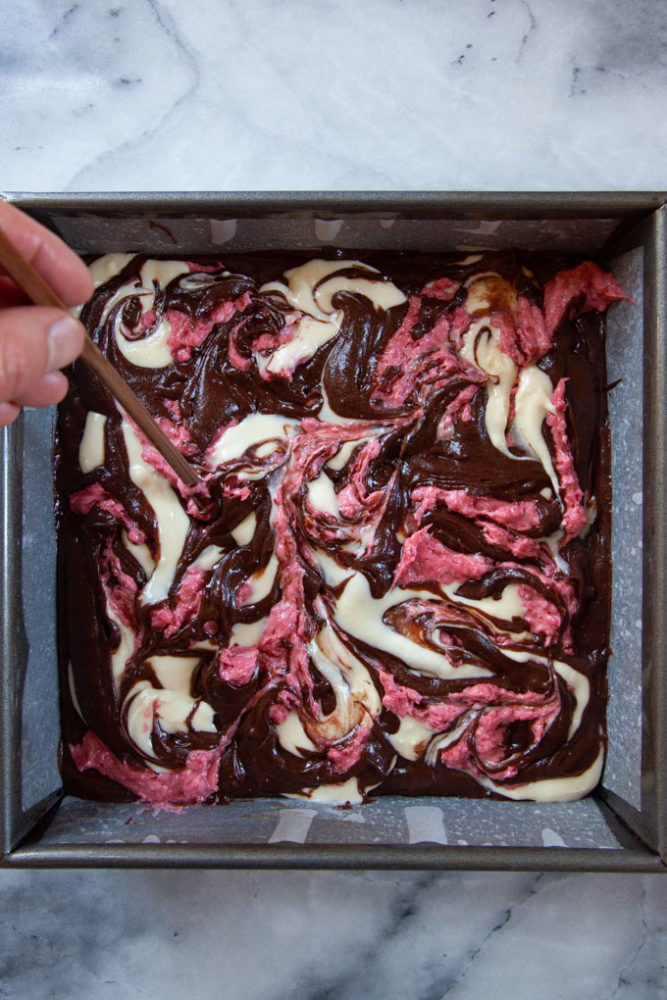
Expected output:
(388, 94)
(316, 936)
(385, 94)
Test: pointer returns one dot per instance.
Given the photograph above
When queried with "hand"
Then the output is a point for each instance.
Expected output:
(36, 341)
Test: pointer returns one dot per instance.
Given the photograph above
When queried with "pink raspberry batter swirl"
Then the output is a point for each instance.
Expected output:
(394, 577)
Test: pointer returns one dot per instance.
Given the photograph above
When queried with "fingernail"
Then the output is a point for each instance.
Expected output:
(8, 413)
(65, 341)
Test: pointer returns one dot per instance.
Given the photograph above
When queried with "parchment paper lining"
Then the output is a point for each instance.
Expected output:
(386, 821)
(625, 360)
(39, 704)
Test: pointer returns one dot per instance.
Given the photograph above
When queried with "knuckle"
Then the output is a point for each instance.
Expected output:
(19, 364)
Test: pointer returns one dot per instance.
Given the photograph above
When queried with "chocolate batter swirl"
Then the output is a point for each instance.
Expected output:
(394, 577)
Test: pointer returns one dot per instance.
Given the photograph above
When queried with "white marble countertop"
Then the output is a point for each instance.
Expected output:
(383, 95)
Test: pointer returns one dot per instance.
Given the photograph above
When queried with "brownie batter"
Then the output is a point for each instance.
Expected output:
(394, 575)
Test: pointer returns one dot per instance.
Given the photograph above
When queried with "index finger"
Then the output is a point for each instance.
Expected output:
(60, 266)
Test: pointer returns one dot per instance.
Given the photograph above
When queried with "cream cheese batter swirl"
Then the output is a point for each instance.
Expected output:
(394, 578)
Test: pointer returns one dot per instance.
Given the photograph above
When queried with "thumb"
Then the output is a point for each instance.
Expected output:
(34, 340)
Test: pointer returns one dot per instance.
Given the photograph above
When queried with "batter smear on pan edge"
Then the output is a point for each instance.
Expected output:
(394, 577)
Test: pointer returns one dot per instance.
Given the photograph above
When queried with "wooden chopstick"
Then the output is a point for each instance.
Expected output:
(40, 292)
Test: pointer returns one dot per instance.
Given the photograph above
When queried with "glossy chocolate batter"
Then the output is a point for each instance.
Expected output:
(394, 578)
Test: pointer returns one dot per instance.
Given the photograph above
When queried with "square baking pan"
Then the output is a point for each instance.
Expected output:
(622, 826)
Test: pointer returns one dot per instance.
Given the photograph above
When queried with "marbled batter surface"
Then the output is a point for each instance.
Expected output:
(393, 575)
